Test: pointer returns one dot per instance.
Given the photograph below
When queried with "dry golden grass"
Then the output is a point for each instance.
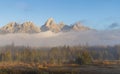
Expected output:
(18, 68)
(106, 62)
(36, 68)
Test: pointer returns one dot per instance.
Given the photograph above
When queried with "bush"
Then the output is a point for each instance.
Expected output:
(84, 58)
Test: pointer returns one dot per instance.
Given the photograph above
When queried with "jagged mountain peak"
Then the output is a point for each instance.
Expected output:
(50, 22)
(61, 24)
(29, 27)
(13, 27)
(10, 27)
(11, 24)
(78, 26)
(28, 24)
(50, 25)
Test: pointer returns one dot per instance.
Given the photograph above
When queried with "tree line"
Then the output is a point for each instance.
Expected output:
(59, 55)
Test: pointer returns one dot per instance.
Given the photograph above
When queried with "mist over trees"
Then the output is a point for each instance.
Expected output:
(59, 55)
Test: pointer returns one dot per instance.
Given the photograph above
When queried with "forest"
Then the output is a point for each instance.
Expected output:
(59, 55)
(59, 60)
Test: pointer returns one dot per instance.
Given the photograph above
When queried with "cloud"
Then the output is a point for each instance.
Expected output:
(114, 25)
(72, 38)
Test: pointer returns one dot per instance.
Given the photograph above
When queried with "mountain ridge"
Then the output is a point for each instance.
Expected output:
(26, 27)
(50, 25)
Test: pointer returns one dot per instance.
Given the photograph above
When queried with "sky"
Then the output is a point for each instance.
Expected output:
(98, 14)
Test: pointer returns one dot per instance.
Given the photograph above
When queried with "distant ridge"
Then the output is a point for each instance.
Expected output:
(52, 34)
(13, 27)
(50, 25)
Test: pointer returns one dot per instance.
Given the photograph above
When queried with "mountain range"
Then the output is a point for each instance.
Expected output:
(50, 25)
(52, 34)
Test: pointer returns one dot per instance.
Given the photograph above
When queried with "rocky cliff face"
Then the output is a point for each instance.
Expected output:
(79, 27)
(50, 25)
(13, 27)
(29, 27)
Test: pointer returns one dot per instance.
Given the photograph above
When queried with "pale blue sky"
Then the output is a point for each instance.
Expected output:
(97, 14)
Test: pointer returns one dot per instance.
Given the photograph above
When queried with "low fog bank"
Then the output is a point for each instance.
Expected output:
(72, 38)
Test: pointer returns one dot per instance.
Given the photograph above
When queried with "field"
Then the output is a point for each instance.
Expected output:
(32, 68)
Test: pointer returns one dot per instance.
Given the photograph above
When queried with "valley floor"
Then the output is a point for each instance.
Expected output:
(31, 68)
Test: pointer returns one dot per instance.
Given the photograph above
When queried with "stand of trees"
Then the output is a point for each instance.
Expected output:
(59, 55)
